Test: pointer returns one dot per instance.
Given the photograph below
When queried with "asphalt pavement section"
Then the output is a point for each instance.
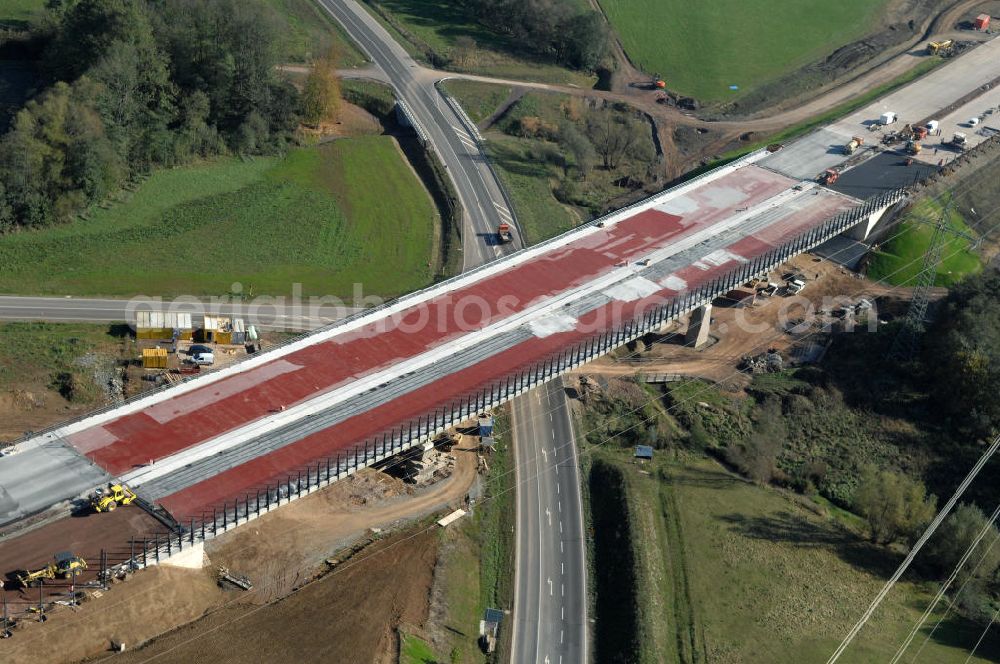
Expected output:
(550, 601)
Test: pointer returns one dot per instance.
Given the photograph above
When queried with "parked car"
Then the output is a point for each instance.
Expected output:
(203, 359)
(198, 348)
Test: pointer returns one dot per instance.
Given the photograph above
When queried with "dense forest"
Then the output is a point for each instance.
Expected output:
(130, 85)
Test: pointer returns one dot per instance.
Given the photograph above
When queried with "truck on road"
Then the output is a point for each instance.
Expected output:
(504, 234)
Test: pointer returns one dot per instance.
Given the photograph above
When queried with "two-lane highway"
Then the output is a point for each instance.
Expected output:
(550, 601)
(474, 180)
(268, 314)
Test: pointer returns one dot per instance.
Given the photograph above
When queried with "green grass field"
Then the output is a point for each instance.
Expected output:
(32, 355)
(899, 261)
(530, 185)
(479, 100)
(424, 26)
(310, 31)
(415, 650)
(326, 217)
(733, 572)
(18, 13)
(701, 48)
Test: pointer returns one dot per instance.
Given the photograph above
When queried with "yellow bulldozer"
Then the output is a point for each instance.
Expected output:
(65, 565)
(106, 500)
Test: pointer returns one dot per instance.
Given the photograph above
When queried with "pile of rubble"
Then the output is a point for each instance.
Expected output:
(769, 362)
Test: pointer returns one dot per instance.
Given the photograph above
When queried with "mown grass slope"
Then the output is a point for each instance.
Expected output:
(17, 13)
(308, 31)
(701, 48)
(899, 261)
(351, 211)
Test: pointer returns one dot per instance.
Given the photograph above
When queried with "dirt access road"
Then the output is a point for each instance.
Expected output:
(370, 594)
(718, 135)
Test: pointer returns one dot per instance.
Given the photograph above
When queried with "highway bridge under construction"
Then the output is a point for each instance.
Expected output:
(220, 448)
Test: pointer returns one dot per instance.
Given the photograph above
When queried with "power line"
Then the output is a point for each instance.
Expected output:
(908, 337)
(944, 588)
(915, 550)
(951, 603)
(982, 636)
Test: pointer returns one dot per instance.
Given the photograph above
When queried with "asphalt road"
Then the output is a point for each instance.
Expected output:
(550, 597)
(474, 181)
(93, 310)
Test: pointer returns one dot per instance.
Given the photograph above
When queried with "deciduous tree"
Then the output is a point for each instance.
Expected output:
(895, 506)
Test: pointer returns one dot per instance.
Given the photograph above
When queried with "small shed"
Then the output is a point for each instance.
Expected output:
(643, 452)
(982, 22)
(485, 425)
(887, 118)
(222, 330)
(154, 358)
(489, 627)
(163, 325)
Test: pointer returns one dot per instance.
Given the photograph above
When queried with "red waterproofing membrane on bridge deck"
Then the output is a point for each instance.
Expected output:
(203, 413)
(193, 501)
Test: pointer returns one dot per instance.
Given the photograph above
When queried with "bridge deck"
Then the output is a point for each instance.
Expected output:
(220, 436)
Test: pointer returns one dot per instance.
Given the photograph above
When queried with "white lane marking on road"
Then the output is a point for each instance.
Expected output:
(561, 550)
(560, 526)
(562, 569)
(553, 434)
(503, 212)
(562, 589)
(545, 454)
(562, 612)
(557, 468)
(548, 513)
(557, 488)
(561, 636)
(550, 586)
(555, 451)
(560, 506)
(550, 418)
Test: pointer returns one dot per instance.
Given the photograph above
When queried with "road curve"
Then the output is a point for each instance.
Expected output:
(475, 183)
(550, 597)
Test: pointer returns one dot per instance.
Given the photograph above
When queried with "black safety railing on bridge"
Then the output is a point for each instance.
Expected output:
(191, 530)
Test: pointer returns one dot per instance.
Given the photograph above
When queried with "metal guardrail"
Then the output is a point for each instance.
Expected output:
(413, 122)
(402, 437)
(477, 138)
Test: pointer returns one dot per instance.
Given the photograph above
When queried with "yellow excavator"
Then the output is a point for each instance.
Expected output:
(65, 565)
(106, 500)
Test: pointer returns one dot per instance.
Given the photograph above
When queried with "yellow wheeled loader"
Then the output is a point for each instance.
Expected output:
(106, 500)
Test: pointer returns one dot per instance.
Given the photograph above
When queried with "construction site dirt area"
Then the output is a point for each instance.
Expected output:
(285, 554)
(84, 535)
(350, 615)
(774, 322)
(148, 603)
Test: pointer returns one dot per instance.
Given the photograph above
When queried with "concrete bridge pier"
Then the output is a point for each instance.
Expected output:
(698, 326)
